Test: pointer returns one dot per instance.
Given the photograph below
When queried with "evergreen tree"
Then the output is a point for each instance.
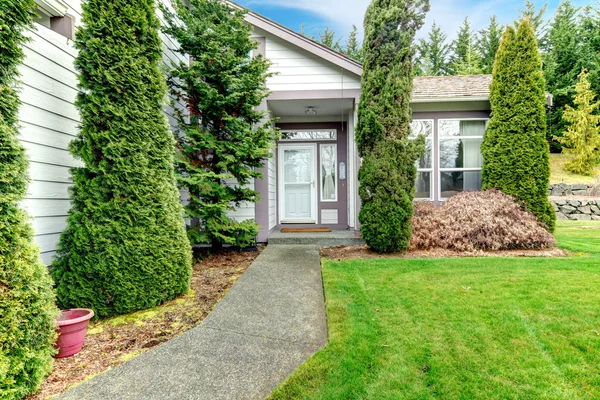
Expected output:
(536, 18)
(27, 310)
(224, 139)
(352, 48)
(433, 53)
(471, 65)
(387, 174)
(582, 136)
(465, 57)
(489, 41)
(562, 67)
(125, 247)
(515, 151)
(589, 58)
(329, 38)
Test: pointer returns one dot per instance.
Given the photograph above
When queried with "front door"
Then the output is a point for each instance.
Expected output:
(297, 183)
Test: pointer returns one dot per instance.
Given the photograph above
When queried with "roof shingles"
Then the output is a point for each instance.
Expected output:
(443, 87)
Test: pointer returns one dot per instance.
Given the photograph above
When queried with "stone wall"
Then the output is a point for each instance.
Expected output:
(577, 209)
(563, 189)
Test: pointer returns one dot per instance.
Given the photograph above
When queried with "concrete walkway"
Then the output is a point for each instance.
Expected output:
(270, 322)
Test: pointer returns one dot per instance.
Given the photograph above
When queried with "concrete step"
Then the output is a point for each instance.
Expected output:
(323, 239)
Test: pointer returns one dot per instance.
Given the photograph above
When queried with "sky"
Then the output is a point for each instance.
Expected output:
(340, 15)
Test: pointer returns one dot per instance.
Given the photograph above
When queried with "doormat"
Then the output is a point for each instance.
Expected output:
(303, 230)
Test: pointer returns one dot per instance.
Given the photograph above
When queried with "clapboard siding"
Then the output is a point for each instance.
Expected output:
(272, 193)
(298, 69)
(49, 121)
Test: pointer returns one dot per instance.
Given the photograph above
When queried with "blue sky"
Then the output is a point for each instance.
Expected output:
(341, 14)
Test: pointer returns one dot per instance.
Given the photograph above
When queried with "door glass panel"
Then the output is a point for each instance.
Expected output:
(328, 172)
(297, 166)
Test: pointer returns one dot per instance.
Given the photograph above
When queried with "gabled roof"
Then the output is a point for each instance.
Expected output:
(461, 87)
(301, 41)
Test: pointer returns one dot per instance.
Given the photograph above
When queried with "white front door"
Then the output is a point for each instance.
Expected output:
(297, 183)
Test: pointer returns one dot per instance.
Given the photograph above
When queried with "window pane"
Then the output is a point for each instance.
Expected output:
(424, 128)
(426, 161)
(328, 172)
(297, 168)
(423, 185)
(310, 135)
(461, 153)
(460, 181)
(461, 128)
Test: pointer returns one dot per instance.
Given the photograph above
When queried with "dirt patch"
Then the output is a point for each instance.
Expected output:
(113, 341)
(340, 253)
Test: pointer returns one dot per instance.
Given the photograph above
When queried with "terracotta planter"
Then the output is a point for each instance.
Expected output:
(72, 326)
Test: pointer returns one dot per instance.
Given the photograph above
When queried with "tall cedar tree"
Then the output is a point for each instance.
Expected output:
(433, 53)
(387, 174)
(226, 139)
(515, 151)
(125, 247)
(589, 58)
(582, 136)
(27, 310)
(353, 48)
(489, 41)
(465, 58)
(562, 67)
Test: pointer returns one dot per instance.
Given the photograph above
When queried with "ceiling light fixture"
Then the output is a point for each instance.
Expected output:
(310, 110)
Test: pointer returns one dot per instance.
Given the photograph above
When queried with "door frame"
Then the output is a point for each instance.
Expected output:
(281, 186)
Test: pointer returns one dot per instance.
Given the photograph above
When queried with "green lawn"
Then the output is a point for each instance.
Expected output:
(558, 173)
(478, 328)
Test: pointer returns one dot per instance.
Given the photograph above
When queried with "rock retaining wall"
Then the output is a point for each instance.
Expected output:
(562, 189)
(574, 209)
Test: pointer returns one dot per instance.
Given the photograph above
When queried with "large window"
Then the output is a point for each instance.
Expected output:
(460, 159)
(424, 183)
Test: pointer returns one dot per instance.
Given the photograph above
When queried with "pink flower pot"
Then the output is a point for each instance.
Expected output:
(72, 325)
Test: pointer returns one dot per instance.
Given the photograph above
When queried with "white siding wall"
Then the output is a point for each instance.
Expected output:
(272, 193)
(298, 69)
(49, 121)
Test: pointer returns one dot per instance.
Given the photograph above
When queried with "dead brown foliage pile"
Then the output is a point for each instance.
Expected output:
(472, 221)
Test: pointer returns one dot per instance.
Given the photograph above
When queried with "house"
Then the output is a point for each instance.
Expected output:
(311, 180)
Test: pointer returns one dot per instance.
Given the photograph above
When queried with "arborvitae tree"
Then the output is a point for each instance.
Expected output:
(125, 247)
(223, 139)
(387, 175)
(27, 310)
(353, 48)
(464, 53)
(536, 18)
(515, 151)
(562, 67)
(582, 136)
(489, 41)
(433, 53)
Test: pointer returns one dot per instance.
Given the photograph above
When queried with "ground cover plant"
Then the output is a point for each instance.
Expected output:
(515, 151)
(125, 247)
(472, 221)
(27, 310)
(223, 137)
(113, 341)
(387, 173)
(476, 328)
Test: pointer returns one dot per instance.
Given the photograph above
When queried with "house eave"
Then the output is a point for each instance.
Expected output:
(52, 8)
(450, 99)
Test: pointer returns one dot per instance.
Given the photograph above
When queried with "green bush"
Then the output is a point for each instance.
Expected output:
(27, 310)
(387, 175)
(125, 247)
(515, 151)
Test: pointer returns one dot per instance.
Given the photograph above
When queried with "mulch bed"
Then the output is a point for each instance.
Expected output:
(340, 253)
(113, 341)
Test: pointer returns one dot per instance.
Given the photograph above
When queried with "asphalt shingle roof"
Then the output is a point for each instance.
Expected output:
(440, 87)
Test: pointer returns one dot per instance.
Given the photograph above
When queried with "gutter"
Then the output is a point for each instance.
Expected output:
(450, 99)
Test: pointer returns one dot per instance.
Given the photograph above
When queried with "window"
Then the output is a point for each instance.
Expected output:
(424, 183)
(460, 155)
(310, 135)
(328, 172)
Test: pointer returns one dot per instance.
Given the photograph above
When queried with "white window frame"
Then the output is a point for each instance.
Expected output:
(439, 140)
(320, 167)
(334, 131)
(433, 155)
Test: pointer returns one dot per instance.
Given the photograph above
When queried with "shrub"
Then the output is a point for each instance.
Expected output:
(223, 138)
(27, 310)
(515, 151)
(387, 175)
(471, 221)
(582, 136)
(125, 247)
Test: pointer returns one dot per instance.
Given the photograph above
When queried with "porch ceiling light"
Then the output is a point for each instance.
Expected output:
(310, 111)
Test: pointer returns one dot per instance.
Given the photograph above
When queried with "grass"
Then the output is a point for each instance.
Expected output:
(500, 328)
(558, 173)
